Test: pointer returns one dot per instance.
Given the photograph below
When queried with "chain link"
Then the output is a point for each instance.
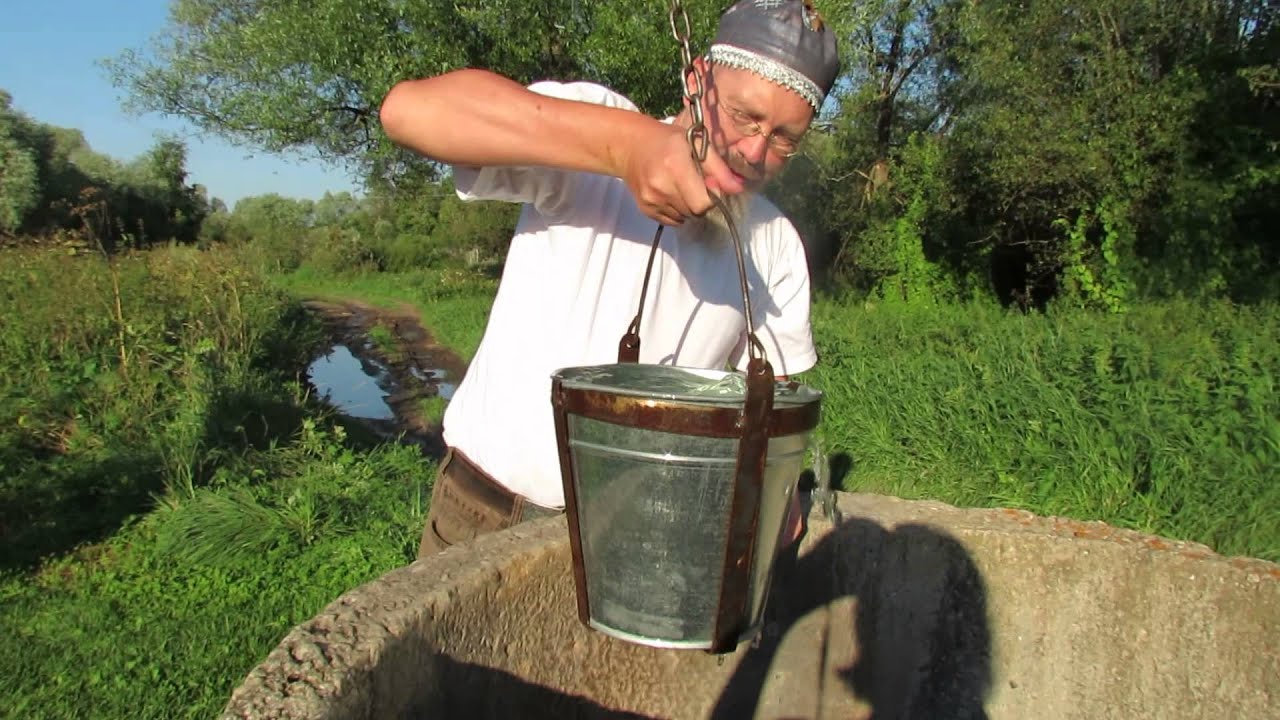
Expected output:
(681, 30)
(699, 139)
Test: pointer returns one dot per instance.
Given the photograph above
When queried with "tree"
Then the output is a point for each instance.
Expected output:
(19, 174)
(285, 75)
(893, 87)
(337, 209)
(1082, 122)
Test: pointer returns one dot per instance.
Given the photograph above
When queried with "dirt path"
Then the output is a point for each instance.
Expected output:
(419, 365)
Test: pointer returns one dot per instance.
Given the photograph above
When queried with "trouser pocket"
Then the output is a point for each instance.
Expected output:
(459, 512)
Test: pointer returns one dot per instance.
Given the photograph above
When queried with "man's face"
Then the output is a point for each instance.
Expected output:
(755, 124)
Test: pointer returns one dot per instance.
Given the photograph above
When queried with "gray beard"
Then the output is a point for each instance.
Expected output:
(713, 228)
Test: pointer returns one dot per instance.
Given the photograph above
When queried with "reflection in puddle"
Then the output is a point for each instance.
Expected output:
(435, 377)
(341, 380)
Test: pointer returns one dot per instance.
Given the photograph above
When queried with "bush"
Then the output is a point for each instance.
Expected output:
(1165, 419)
(406, 253)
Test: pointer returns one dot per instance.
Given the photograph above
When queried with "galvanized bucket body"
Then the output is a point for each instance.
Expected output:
(673, 535)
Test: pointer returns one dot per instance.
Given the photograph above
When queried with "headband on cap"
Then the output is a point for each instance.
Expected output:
(784, 41)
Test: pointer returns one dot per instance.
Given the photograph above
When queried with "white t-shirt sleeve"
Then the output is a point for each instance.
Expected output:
(548, 190)
(782, 324)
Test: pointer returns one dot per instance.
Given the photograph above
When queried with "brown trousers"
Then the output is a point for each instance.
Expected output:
(467, 503)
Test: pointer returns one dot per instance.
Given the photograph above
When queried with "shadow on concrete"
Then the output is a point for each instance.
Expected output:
(477, 691)
(920, 620)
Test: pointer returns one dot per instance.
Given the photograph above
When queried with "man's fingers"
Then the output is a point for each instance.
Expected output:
(694, 194)
(665, 214)
(719, 178)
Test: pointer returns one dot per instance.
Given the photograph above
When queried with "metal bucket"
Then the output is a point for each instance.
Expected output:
(677, 484)
(675, 509)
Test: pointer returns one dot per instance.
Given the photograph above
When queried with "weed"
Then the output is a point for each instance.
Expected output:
(1163, 419)
(166, 525)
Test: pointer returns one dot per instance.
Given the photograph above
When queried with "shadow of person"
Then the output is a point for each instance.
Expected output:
(920, 626)
(475, 691)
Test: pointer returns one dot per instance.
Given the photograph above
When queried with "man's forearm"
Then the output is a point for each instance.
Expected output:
(477, 118)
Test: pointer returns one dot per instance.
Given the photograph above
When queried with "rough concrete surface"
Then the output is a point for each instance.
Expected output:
(898, 610)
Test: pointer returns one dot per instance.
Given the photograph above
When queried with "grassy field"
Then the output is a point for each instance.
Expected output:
(172, 501)
(1165, 419)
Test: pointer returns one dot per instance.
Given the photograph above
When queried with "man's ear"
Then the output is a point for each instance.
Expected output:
(702, 66)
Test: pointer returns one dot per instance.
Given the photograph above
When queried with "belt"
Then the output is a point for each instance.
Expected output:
(481, 486)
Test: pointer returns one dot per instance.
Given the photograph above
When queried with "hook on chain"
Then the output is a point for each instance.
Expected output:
(699, 139)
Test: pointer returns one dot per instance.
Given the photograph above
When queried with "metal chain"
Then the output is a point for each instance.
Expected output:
(699, 140)
(681, 30)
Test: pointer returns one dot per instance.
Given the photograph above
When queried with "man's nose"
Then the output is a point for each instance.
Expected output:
(753, 148)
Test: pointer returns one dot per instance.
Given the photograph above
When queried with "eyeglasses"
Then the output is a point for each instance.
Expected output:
(783, 146)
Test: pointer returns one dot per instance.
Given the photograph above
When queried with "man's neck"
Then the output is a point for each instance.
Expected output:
(684, 120)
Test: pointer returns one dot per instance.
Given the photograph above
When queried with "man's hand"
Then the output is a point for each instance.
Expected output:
(661, 174)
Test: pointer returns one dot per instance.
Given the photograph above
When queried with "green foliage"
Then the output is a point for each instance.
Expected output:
(432, 409)
(382, 336)
(116, 402)
(405, 252)
(290, 497)
(19, 174)
(1165, 419)
(892, 248)
(311, 75)
(337, 251)
(1093, 136)
(1107, 150)
(123, 629)
(273, 229)
(184, 490)
(1092, 272)
(51, 180)
(171, 485)
(479, 229)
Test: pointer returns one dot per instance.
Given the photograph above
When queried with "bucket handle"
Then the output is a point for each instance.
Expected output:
(629, 345)
(744, 519)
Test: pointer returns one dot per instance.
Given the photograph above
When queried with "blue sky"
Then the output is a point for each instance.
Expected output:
(49, 53)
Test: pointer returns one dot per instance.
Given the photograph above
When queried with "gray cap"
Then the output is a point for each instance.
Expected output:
(784, 41)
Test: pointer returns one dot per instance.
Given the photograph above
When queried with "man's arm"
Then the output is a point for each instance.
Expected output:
(476, 118)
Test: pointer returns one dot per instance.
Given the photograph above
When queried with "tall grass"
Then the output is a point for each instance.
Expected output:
(1165, 419)
(105, 404)
(171, 502)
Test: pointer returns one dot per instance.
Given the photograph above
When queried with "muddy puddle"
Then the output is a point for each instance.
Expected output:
(343, 380)
(385, 370)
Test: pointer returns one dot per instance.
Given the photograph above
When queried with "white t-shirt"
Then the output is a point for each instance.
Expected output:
(571, 286)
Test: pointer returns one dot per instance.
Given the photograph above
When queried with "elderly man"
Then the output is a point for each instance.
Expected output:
(595, 177)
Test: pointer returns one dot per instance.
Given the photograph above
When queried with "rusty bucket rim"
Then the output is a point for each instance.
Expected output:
(798, 394)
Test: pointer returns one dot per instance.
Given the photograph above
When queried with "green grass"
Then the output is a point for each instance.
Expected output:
(143, 626)
(384, 339)
(171, 502)
(432, 408)
(1164, 420)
